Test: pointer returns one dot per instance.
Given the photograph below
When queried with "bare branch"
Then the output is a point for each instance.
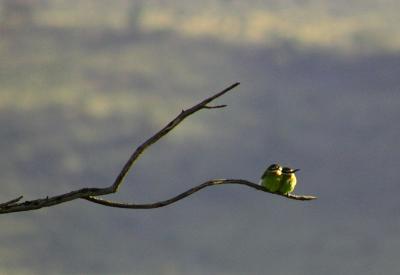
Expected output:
(13, 201)
(50, 201)
(192, 191)
(91, 194)
(175, 122)
(215, 107)
(16, 206)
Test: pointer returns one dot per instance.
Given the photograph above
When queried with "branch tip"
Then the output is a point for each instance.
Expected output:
(11, 202)
(215, 107)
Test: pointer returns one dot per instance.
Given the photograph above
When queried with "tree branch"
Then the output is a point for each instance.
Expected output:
(11, 202)
(50, 201)
(184, 114)
(191, 191)
(91, 194)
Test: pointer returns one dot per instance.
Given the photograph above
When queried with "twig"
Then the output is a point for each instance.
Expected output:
(192, 191)
(184, 114)
(11, 202)
(215, 107)
(50, 201)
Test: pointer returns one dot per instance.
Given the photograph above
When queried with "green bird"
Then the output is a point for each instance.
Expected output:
(271, 179)
(288, 180)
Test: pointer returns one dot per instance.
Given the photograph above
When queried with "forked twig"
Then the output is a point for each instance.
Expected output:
(184, 114)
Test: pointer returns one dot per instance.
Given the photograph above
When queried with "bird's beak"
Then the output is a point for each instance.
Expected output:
(295, 170)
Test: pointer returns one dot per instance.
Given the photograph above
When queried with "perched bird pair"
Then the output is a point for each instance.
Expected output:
(279, 179)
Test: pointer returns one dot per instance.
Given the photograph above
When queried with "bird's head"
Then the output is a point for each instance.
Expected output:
(272, 170)
(289, 171)
(274, 167)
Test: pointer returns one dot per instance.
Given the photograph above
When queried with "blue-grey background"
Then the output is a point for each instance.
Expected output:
(82, 83)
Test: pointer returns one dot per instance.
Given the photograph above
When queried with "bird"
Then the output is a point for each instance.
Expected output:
(288, 180)
(271, 179)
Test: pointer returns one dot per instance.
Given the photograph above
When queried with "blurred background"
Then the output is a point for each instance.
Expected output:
(82, 83)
